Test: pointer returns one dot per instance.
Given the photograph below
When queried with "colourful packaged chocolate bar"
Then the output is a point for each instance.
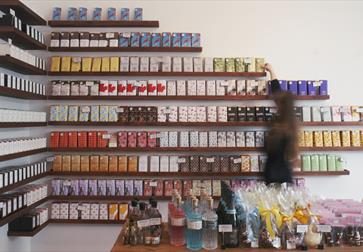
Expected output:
(218, 65)
(155, 40)
(195, 39)
(138, 14)
(57, 12)
(92, 187)
(186, 40)
(111, 13)
(166, 39)
(72, 14)
(101, 187)
(125, 14)
(119, 187)
(145, 39)
(129, 187)
(97, 14)
(135, 39)
(110, 187)
(83, 13)
(176, 39)
(83, 187)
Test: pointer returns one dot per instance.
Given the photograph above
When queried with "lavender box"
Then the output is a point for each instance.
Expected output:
(302, 87)
(129, 187)
(138, 188)
(92, 187)
(110, 187)
(83, 187)
(323, 89)
(283, 84)
(101, 187)
(311, 87)
(292, 86)
(120, 187)
(56, 186)
(74, 188)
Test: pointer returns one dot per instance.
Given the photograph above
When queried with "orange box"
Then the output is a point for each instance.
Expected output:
(104, 163)
(72, 139)
(112, 163)
(85, 163)
(66, 163)
(122, 163)
(82, 139)
(132, 163)
(94, 163)
(54, 139)
(57, 163)
(113, 211)
(76, 163)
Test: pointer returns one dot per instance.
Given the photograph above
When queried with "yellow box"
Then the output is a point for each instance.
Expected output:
(105, 67)
(86, 64)
(318, 139)
(76, 163)
(260, 64)
(355, 138)
(57, 163)
(245, 163)
(345, 138)
(123, 210)
(104, 163)
(336, 138)
(114, 64)
(113, 211)
(55, 64)
(112, 163)
(96, 64)
(66, 163)
(85, 163)
(308, 135)
(76, 64)
(94, 163)
(361, 138)
(66, 64)
(301, 139)
(328, 142)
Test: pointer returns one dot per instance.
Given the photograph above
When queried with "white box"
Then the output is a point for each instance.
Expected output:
(164, 163)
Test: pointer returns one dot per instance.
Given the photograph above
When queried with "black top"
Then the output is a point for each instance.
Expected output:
(278, 167)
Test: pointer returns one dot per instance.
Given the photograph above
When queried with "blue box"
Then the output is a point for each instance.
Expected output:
(72, 14)
(283, 85)
(195, 39)
(111, 13)
(82, 13)
(145, 39)
(311, 88)
(302, 87)
(175, 39)
(292, 86)
(166, 39)
(125, 14)
(156, 40)
(57, 12)
(186, 40)
(323, 89)
(135, 39)
(97, 14)
(138, 14)
(124, 40)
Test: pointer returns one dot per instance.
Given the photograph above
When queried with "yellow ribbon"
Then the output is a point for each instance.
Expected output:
(303, 215)
(267, 214)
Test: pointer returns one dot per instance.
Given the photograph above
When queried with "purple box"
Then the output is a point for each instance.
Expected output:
(166, 39)
(175, 39)
(125, 14)
(101, 187)
(56, 186)
(65, 187)
(92, 187)
(72, 14)
(82, 13)
(124, 40)
(138, 188)
(83, 187)
(292, 86)
(311, 88)
(145, 39)
(195, 39)
(323, 89)
(111, 13)
(283, 85)
(186, 40)
(57, 12)
(135, 39)
(74, 188)
(129, 187)
(138, 14)
(110, 187)
(302, 87)
(120, 187)
(97, 14)
(156, 40)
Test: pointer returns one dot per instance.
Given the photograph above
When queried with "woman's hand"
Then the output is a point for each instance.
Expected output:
(268, 68)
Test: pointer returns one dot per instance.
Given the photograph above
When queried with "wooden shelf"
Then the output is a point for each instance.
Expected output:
(20, 38)
(14, 93)
(332, 123)
(22, 124)
(23, 182)
(21, 212)
(23, 12)
(108, 198)
(103, 23)
(159, 149)
(125, 49)
(180, 98)
(22, 154)
(19, 66)
(28, 233)
(360, 148)
(86, 221)
(188, 174)
(161, 74)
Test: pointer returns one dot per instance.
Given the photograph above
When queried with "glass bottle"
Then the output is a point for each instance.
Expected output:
(187, 205)
(152, 233)
(171, 204)
(210, 227)
(230, 238)
(177, 225)
(134, 216)
(194, 227)
(203, 204)
(142, 223)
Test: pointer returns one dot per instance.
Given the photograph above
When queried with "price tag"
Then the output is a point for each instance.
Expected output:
(316, 83)
(225, 228)
(301, 229)
(247, 60)
(81, 208)
(181, 160)
(237, 161)
(273, 110)
(89, 83)
(154, 221)
(86, 109)
(120, 110)
(359, 110)
(76, 59)
(324, 228)
(106, 136)
(194, 225)
(153, 136)
(210, 160)
(126, 34)
(112, 145)
(110, 35)
(50, 159)
(143, 223)
(178, 222)
(159, 135)
(153, 184)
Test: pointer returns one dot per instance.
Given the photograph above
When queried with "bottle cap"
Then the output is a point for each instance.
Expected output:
(154, 204)
(134, 203)
(142, 206)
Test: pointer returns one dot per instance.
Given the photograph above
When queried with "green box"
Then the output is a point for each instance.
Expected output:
(323, 163)
(314, 162)
(339, 163)
(331, 162)
(306, 163)
(239, 65)
(230, 65)
(218, 65)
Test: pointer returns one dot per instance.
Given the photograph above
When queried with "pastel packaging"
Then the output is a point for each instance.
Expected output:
(201, 87)
(156, 40)
(184, 138)
(124, 39)
(222, 139)
(327, 137)
(241, 87)
(230, 65)
(95, 113)
(336, 138)
(173, 139)
(134, 64)
(249, 64)
(260, 65)
(314, 162)
(208, 64)
(211, 87)
(201, 114)
(55, 64)
(250, 139)
(194, 138)
(254, 163)
(124, 64)
(336, 114)
(318, 139)
(144, 64)
(138, 187)
(114, 64)
(306, 114)
(186, 40)
(187, 64)
(345, 136)
(164, 163)
(129, 187)
(96, 64)
(138, 14)
(54, 113)
(177, 65)
(171, 88)
(119, 187)
(63, 113)
(154, 164)
(218, 65)
(86, 64)
(111, 13)
(164, 138)
(197, 64)
(213, 139)
(103, 117)
(231, 88)
(316, 114)
(73, 113)
(260, 139)
(56, 14)
(72, 14)
(309, 139)
(176, 39)
(145, 39)
(306, 162)
(92, 187)
(203, 139)
(231, 139)
(323, 166)
(76, 64)
(192, 87)
(302, 87)
(240, 139)
(125, 14)
(346, 113)
(222, 114)
(301, 138)
(135, 39)
(326, 115)
(192, 114)
(166, 39)
(355, 113)
(211, 113)
(97, 14)
(239, 65)
(66, 64)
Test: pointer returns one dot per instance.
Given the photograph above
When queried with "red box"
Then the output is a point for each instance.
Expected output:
(147, 188)
(92, 139)
(72, 139)
(82, 139)
(54, 140)
(132, 139)
(187, 185)
(122, 139)
(152, 140)
(178, 185)
(63, 140)
(168, 187)
(159, 188)
(102, 139)
(142, 139)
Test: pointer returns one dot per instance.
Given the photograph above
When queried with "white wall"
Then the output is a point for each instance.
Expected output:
(302, 39)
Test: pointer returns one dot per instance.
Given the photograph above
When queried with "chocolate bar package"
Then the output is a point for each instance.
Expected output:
(173, 164)
(224, 164)
(181, 87)
(316, 114)
(235, 163)
(203, 139)
(168, 187)
(138, 187)
(346, 139)
(194, 138)
(240, 139)
(250, 139)
(132, 163)
(260, 113)
(203, 165)
(110, 187)
(254, 163)
(231, 139)
(260, 139)
(221, 87)
(176, 39)
(308, 135)
(92, 187)
(213, 139)
(119, 187)
(336, 114)
(218, 65)
(154, 164)
(166, 39)
(148, 189)
(101, 187)
(184, 163)
(239, 65)
(208, 64)
(212, 113)
(197, 64)
(232, 114)
(129, 187)
(211, 87)
(251, 113)
(164, 163)
(245, 163)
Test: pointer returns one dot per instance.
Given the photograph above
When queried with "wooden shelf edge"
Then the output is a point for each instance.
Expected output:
(58, 221)
(108, 198)
(22, 124)
(23, 12)
(24, 182)
(21, 39)
(32, 233)
(103, 23)
(19, 66)
(22, 154)
(168, 149)
(22, 211)
(14, 93)
(125, 49)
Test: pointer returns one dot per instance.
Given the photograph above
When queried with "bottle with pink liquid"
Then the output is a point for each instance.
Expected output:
(177, 224)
